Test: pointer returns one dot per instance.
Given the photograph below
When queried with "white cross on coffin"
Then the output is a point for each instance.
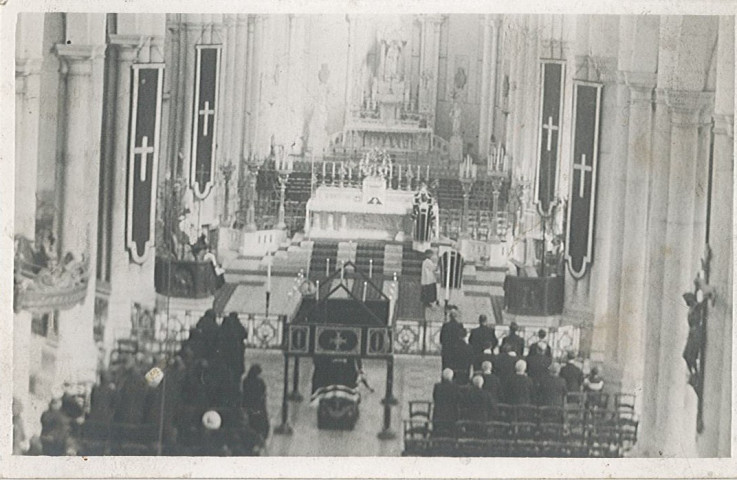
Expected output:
(144, 150)
(550, 128)
(206, 112)
(583, 168)
(338, 341)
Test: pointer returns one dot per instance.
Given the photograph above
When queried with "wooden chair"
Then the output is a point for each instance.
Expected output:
(550, 414)
(624, 402)
(527, 413)
(597, 400)
(420, 409)
(505, 413)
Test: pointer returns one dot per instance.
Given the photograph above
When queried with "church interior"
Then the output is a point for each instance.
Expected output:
(287, 176)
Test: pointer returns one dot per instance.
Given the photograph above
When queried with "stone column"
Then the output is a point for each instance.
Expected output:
(429, 59)
(246, 33)
(350, 75)
(488, 85)
(632, 315)
(29, 57)
(676, 403)
(715, 440)
(79, 182)
(606, 272)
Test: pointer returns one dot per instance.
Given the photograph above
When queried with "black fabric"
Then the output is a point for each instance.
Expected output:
(519, 390)
(446, 402)
(573, 377)
(516, 342)
(551, 390)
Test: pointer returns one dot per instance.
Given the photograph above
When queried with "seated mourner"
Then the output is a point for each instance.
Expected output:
(551, 389)
(446, 397)
(520, 386)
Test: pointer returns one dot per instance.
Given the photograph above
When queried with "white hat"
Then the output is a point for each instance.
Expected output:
(211, 420)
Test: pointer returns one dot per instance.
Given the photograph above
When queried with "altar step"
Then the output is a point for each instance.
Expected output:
(411, 261)
(393, 255)
(346, 253)
(322, 252)
(370, 257)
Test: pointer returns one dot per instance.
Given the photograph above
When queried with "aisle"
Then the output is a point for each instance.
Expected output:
(414, 378)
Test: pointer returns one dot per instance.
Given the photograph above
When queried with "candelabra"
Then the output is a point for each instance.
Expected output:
(496, 171)
(284, 168)
(227, 171)
(253, 165)
(467, 175)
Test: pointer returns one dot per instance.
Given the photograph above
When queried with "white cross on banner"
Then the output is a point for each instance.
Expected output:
(206, 112)
(582, 168)
(143, 150)
(582, 189)
(550, 129)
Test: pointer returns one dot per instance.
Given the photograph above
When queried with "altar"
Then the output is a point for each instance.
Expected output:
(369, 212)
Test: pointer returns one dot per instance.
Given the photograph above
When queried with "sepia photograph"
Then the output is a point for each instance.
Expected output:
(368, 234)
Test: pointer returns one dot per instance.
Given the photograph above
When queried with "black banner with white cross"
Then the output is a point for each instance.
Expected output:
(552, 80)
(143, 154)
(204, 115)
(582, 192)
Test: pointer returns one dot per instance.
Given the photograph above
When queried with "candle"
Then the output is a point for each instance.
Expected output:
(350, 174)
(365, 284)
(327, 266)
(333, 172)
(371, 267)
(342, 270)
(323, 172)
(447, 278)
(427, 174)
(317, 290)
(418, 174)
(268, 274)
(399, 174)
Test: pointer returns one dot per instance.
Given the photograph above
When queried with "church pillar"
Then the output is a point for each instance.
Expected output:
(29, 57)
(429, 59)
(632, 317)
(350, 77)
(255, 91)
(77, 358)
(676, 404)
(137, 40)
(489, 73)
(715, 440)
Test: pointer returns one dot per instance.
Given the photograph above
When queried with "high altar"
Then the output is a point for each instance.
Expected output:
(370, 212)
(389, 115)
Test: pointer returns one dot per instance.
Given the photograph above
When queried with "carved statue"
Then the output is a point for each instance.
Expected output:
(391, 61)
(455, 116)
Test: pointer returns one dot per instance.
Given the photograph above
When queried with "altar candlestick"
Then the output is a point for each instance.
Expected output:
(268, 275)
(327, 266)
(365, 284)
(317, 290)
(447, 279)
(342, 270)
(323, 172)
(371, 267)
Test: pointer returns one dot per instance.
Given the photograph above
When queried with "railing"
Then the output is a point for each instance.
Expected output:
(184, 278)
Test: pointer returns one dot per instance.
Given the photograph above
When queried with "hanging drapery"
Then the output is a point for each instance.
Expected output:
(143, 156)
(582, 190)
(552, 79)
(204, 118)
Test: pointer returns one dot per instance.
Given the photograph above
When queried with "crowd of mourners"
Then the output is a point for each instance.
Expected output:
(205, 376)
(479, 373)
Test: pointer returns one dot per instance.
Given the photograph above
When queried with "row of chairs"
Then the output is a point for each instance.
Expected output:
(464, 438)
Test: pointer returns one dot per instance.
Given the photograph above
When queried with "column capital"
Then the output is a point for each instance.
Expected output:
(641, 85)
(127, 45)
(687, 106)
(724, 125)
(28, 66)
(77, 59)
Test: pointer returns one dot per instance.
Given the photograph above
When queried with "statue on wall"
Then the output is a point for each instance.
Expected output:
(391, 61)
(455, 117)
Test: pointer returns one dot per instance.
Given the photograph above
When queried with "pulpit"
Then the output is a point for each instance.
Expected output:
(184, 279)
(533, 296)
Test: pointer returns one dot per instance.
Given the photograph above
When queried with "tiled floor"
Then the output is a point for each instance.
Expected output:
(414, 377)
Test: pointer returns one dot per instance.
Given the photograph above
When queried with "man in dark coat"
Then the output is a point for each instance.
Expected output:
(231, 347)
(520, 386)
(503, 365)
(538, 362)
(515, 341)
(572, 375)
(460, 361)
(492, 385)
(446, 397)
(482, 337)
(551, 389)
(450, 332)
